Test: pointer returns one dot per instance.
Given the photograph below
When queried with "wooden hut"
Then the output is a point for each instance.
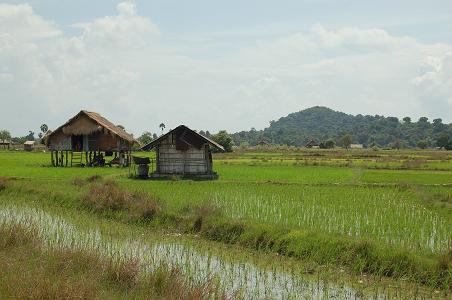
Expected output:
(263, 142)
(312, 144)
(5, 143)
(88, 138)
(29, 145)
(356, 146)
(183, 152)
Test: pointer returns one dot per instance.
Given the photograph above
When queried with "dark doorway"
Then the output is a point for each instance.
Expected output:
(77, 143)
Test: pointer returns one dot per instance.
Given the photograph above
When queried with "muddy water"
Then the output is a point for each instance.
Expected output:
(235, 278)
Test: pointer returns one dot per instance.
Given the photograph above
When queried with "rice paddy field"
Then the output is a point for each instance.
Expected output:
(277, 224)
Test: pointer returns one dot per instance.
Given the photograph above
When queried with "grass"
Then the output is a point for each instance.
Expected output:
(27, 270)
(386, 214)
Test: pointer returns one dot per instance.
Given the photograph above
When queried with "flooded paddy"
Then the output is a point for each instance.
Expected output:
(237, 279)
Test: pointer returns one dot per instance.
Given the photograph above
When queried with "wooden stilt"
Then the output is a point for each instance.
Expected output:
(86, 157)
(51, 158)
(66, 157)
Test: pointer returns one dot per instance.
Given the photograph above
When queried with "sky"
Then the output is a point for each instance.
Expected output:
(217, 65)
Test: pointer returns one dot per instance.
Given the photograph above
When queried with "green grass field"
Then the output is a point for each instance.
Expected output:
(386, 215)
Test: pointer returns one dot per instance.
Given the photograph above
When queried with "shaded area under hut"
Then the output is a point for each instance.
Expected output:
(5, 143)
(183, 152)
(88, 139)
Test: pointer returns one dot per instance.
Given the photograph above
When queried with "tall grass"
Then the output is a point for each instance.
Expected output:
(29, 271)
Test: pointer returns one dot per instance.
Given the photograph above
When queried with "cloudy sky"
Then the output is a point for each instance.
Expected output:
(221, 64)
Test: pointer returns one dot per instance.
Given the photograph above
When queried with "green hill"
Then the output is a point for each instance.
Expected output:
(322, 123)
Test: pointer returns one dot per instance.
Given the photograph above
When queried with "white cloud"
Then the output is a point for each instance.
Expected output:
(434, 85)
(123, 67)
(21, 23)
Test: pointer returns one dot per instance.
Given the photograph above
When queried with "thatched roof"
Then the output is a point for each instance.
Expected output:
(183, 134)
(312, 143)
(93, 122)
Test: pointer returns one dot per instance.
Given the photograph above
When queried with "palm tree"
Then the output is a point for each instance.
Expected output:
(162, 127)
(44, 128)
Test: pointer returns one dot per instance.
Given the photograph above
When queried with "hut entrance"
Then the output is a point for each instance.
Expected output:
(77, 143)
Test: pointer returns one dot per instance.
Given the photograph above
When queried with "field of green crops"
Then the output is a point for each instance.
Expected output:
(380, 221)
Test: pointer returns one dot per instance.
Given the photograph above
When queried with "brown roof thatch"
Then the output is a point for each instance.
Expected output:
(312, 143)
(76, 126)
(182, 132)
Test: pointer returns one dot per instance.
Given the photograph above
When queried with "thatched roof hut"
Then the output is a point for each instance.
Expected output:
(312, 144)
(5, 143)
(29, 145)
(89, 132)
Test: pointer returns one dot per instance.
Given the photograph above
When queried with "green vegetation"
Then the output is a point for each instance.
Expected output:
(383, 214)
(34, 268)
(322, 123)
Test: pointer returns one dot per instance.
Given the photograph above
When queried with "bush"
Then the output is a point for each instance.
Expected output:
(106, 197)
(148, 207)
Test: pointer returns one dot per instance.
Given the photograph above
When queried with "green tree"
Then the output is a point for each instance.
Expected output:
(422, 144)
(329, 144)
(407, 120)
(346, 140)
(162, 127)
(398, 144)
(423, 120)
(44, 128)
(145, 138)
(5, 135)
(442, 141)
(30, 136)
(224, 139)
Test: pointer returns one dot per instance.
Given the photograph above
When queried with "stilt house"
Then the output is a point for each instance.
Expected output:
(88, 138)
(5, 143)
(183, 152)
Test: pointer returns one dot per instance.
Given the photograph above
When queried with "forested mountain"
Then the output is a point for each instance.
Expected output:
(322, 124)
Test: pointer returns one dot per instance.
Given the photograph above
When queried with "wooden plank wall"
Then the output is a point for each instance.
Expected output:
(173, 161)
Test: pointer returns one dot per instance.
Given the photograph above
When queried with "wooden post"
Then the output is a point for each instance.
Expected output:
(157, 163)
(72, 157)
(207, 159)
(51, 158)
(66, 157)
(86, 157)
